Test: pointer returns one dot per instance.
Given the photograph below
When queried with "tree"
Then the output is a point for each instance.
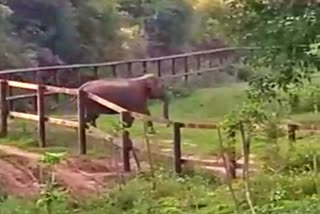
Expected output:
(284, 30)
(98, 25)
(48, 24)
(13, 52)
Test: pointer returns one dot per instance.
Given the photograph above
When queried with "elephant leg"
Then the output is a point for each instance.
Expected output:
(91, 119)
(128, 120)
(93, 122)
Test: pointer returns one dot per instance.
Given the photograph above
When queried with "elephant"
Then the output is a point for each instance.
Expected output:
(131, 94)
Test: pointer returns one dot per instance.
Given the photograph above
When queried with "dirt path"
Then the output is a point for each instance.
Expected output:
(19, 173)
(82, 176)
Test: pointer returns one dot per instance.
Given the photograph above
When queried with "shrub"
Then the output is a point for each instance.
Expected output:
(305, 99)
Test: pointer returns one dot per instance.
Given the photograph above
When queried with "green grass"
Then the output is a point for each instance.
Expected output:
(204, 105)
(23, 134)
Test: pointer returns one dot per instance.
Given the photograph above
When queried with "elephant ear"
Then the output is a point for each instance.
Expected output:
(148, 87)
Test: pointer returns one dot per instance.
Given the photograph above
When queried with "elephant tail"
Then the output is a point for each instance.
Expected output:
(71, 100)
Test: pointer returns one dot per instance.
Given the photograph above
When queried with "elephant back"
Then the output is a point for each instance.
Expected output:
(124, 93)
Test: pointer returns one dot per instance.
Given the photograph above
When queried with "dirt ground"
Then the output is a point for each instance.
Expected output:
(20, 174)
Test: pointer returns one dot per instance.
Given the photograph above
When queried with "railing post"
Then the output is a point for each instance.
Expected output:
(198, 64)
(144, 67)
(95, 72)
(79, 76)
(10, 93)
(173, 66)
(292, 132)
(81, 120)
(41, 115)
(56, 76)
(129, 69)
(186, 69)
(211, 56)
(177, 147)
(38, 79)
(114, 70)
(232, 162)
(125, 142)
(4, 108)
(159, 68)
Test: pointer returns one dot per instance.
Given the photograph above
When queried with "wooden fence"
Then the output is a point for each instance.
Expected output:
(41, 90)
(220, 54)
(80, 126)
(199, 58)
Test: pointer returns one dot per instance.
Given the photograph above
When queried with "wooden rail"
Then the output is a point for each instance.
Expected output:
(80, 126)
(186, 71)
(116, 63)
(22, 85)
(198, 72)
(61, 90)
(26, 96)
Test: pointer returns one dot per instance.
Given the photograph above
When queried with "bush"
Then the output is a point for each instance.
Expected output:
(179, 92)
(305, 99)
(244, 73)
(309, 205)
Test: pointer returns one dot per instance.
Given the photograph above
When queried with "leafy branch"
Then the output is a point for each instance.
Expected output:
(50, 192)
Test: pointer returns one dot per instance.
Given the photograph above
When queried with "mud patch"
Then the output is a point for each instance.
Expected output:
(81, 176)
(18, 182)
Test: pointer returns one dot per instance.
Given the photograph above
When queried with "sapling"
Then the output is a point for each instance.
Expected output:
(227, 169)
(150, 160)
(246, 154)
(49, 190)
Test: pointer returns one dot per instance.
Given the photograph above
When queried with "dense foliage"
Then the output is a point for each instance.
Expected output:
(91, 31)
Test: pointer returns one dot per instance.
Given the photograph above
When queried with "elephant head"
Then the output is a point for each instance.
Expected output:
(156, 90)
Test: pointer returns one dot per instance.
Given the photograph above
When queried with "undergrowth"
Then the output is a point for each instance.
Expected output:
(286, 192)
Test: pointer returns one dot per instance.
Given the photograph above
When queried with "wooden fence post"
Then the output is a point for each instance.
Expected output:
(4, 108)
(56, 96)
(125, 143)
(144, 67)
(35, 77)
(186, 69)
(292, 132)
(198, 64)
(79, 75)
(177, 147)
(232, 162)
(82, 125)
(95, 72)
(114, 70)
(173, 66)
(41, 115)
(231, 158)
(38, 81)
(10, 94)
(211, 63)
(159, 68)
(129, 69)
